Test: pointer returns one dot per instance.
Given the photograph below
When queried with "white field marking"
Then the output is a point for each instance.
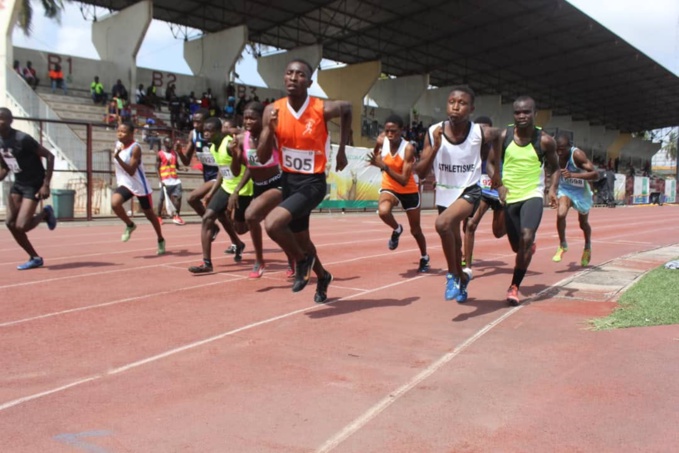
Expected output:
(237, 277)
(390, 399)
(113, 302)
(186, 347)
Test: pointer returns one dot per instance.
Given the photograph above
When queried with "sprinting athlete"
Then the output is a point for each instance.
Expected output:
(22, 155)
(170, 184)
(266, 178)
(395, 157)
(132, 182)
(489, 199)
(521, 183)
(453, 148)
(228, 178)
(574, 190)
(297, 125)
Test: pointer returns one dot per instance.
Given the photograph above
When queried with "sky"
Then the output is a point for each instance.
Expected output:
(653, 29)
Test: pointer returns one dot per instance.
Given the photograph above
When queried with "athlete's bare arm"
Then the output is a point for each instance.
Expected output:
(4, 169)
(190, 150)
(581, 161)
(423, 166)
(548, 144)
(130, 168)
(341, 110)
(42, 152)
(493, 165)
(235, 151)
(267, 138)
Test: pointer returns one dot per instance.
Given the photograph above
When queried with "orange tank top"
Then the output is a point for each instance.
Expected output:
(395, 161)
(303, 140)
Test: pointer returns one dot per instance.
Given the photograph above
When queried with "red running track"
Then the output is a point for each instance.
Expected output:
(109, 348)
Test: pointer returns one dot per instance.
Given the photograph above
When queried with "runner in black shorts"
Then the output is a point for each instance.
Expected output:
(395, 157)
(301, 139)
(22, 155)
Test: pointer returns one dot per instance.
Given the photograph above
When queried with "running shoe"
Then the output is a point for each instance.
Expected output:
(231, 250)
(160, 220)
(322, 288)
(128, 232)
(178, 220)
(215, 232)
(452, 287)
(161, 247)
(586, 257)
(33, 263)
(257, 271)
(393, 242)
(50, 218)
(290, 272)
(238, 255)
(303, 272)
(424, 264)
(513, 296)
(469, 272)
(559, 254)
(202, 269)
(462, 294)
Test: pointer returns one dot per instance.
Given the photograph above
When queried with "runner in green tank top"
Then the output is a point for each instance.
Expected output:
(521, 184)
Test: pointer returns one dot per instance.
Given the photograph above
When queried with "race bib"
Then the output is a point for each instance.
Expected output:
(226, 172)
(575, 182)
(485, 181)
(298, 161)
(206, 158)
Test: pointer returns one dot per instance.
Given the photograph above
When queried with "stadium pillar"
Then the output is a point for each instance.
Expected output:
(272, 67)
(118, 37)
(214, 56)
(352, 83)
(490, 106)
(431, 106)
(399, 94)
(581, 137)
(9, 9)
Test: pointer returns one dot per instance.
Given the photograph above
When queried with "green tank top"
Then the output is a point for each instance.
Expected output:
(223, 161)
(522, 173)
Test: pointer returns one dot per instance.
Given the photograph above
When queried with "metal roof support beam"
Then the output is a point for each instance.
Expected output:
(272, 67)
(118, 38)
(351, 83)
(208, 57)
(400, 94)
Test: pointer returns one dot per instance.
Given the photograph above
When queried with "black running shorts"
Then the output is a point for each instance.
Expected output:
(145, 201)
(522, 215)
(408, 201)
(301, 195)
(471, 195)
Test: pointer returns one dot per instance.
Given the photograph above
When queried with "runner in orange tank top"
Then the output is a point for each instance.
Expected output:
(395, 157)
(297, 127)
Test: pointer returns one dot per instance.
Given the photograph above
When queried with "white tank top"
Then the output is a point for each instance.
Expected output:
(456, 167)
(137, 184)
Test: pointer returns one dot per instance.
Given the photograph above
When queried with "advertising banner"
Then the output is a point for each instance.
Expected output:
(670, 190)
(355, 187)
(619, 188)
(641, 192)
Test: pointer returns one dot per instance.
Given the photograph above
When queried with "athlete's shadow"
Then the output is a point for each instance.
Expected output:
(411, 273)
(343, 307)
(312, 282)
(78, 265)
(482, 307)
(178, 253)
(572, 268)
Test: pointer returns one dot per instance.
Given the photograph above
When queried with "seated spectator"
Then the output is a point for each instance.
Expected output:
(152, 99)
(17, 68)
(119, 90)
(112, 114)
(126, 112)
(57, 78)
(140, 95)
(175, 107)
(30, 75)
(150, 136)
(99, 96)
(230, 107)
(170, 93)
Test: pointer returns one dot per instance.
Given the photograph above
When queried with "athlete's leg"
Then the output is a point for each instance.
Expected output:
(470, 232)
(586, 228)
(448, 227)
(206, 232)
(160, 202)
(513, 225)
(561, 214)
(531, 216)
(385, 205)
(154, 221)
(499, 224)
(303, 238)
(197, 195)
(117, 202)
(277, 227)
(21, 208)
(416, 229)
(255, 213)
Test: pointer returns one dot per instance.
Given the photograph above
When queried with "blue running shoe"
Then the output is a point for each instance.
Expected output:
(452, 287)
(50, 218)
(33, 263)
(462, 295)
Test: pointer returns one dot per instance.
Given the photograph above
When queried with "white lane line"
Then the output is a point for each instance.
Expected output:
(186, 347)
(236, 277)
(390, 399)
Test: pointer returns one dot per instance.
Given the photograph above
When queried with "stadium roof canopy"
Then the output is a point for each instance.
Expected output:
(544, 48)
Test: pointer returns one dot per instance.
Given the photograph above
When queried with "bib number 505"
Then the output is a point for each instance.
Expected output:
(299, 161)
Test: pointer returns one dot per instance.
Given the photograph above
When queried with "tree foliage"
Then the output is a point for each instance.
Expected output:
(52, 9)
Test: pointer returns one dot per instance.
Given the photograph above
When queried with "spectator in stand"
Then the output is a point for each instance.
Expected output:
(230, 107)
(17, 68)
(149, 135)
(119, 90)
(57, 78)
(140, 95)
(170, 92)
(31, 76)
(97, 91)
(205, 101)
(112, 114)
(175, 107)
(126, 112)
(152, 99)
